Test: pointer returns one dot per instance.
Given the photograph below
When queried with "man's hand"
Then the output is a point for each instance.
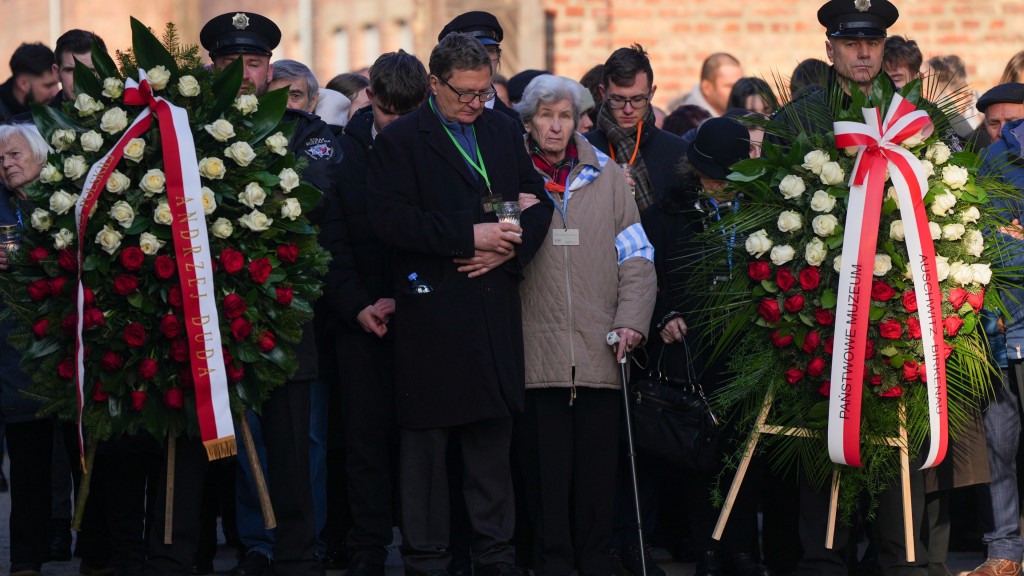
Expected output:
(500, 237)
(628, 340)
(1014, 230)
(373, 320)
(674, 331)
(483, 261)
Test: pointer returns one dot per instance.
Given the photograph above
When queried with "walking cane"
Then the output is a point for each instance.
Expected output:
(613, 339)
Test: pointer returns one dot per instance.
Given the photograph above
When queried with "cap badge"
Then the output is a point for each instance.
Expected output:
(241, 21)
(862, 5)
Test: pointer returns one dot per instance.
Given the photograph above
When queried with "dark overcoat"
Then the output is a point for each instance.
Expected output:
(459, 348)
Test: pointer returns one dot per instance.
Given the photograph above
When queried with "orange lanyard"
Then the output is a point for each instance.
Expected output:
(636, 147)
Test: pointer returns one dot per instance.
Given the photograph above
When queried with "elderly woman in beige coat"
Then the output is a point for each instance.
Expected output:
(593, 275)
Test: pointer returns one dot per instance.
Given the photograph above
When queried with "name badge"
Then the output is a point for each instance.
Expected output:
(488, 202)
(570, 237)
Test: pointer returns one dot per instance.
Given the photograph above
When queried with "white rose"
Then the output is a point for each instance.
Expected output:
(209, 201)
(41, 220)
(109, 239)
(824, 225)
(934, 230)
(837, 263)
(221, 130)
(277, 143)
(851, 151)
(61, 201)
(832, 173)
(938, 153)
(256, 221)
(896, 231)
(118, 183)
(222, 228)
(158, 77)
(943, 203)
(814, 160)
(253, 195)
(289, 179)
(87, 105)
(75, 167)
(914, 140)
(291, 209)
(790, 221)
(961, 273)
(941, 268)
(162, 214)
(782, 254)
(113, 88)
(62, 139)
(971, 215)
(92, 141)
(212, 168)
(758, 243)
(63, 239)
(150, 244)
(241, 153)
(890, 192)
(247, 104)
(822, 201)
(50, 175)
(928, 167)
(883, 263)
(153, 181)
(974, 243)
(135, 149)
(188, 86)
(815, 252)
(982, 273)
(953, 231)
(123, 213)
(114, 121)
(955, 176)
(791, 187)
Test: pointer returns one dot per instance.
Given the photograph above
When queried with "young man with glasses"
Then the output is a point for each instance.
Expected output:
(625, 127)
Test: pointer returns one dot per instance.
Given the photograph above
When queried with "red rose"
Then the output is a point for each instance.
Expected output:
(185, 377)
(977, 300)
(241, 328)
(231, 260)
(824, 317)
(38, 290)
(266, 341)
(226, 354)
(138, 399)
(174, 398)
(881, 291)
(94, 317)
(135, 334)
(57, 285)
(70, 323)
(794, 303)
(36, 254)
(957, 297)
(234, 306)
(132, 258)
(284, 296)
(88, 295)
(816, 367)
(892, 392)
(784, 278)
(170, 326)
(148, 369)
(825, 389)
(946, 351)
(768, 308)
(780, 341)
(890, 329)
(914, 328)
(235, 371)
(179, 350)
(910, 301)
(67, 260)
(875, 380)
(794, 375)
(259, 270)
(811, 342)
(828, 345)
(952, 325)
(759, 271)
(810, 278)
(112, 361)
(66, 369)
(910, 371)
(98, 394)
(40, 328)
(290, 253)
(164, 267)
(869, 349)
(125, 284)
(174, 297)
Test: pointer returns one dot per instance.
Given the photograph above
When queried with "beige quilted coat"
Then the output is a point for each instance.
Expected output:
(574, 295)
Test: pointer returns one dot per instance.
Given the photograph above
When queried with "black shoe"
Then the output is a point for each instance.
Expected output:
(24, 569)
(202, 568)
(336, 558)
(365, 565)
(499, 569)
(709, 565)
(60, 540)
(632, 562)
(743, 564)
(252, 564)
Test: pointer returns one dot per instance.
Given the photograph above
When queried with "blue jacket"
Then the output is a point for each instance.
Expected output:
(15, 407)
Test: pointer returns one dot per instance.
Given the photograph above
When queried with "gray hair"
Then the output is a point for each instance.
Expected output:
(291, 69)
(36, 145)
(457, 51)
(548, 89)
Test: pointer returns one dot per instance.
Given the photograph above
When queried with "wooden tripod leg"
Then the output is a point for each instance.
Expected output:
(83, 488)
(269, 520)
(172, 445)
(908, 520)
(833, 506)
(741, 471)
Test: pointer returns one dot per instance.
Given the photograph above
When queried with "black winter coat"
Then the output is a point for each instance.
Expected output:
(661, 152)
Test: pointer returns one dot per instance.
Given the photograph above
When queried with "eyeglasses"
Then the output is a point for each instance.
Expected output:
(467, 97)
(637, 102)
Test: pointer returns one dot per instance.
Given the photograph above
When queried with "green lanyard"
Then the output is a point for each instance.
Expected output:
(479, 164)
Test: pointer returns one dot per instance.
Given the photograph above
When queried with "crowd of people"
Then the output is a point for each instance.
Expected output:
(456, 381)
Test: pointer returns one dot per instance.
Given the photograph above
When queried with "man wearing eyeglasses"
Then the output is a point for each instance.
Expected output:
(484, 27)
(434, 177)
(625, 127)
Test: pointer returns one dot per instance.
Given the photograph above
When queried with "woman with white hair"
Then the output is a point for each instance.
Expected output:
(593, 275)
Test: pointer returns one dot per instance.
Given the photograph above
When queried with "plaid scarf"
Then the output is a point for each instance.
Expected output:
(622, 142)
(559, 171)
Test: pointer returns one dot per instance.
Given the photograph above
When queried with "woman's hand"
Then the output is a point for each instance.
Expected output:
(628, 340)
(674, 331)
(527, 200)
(483, 261)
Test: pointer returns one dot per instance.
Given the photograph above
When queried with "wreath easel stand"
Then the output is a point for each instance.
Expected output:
(761, 427)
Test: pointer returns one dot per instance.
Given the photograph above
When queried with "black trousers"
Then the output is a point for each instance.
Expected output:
(285, 421)
(487, 490)
(568, 456)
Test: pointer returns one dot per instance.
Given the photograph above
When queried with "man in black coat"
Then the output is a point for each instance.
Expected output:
(33, 79)
(434, 177)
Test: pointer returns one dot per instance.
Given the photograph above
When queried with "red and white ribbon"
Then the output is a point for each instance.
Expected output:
(880, 150)
(191, 251)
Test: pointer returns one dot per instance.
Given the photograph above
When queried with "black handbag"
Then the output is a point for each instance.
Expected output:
(671, 417)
